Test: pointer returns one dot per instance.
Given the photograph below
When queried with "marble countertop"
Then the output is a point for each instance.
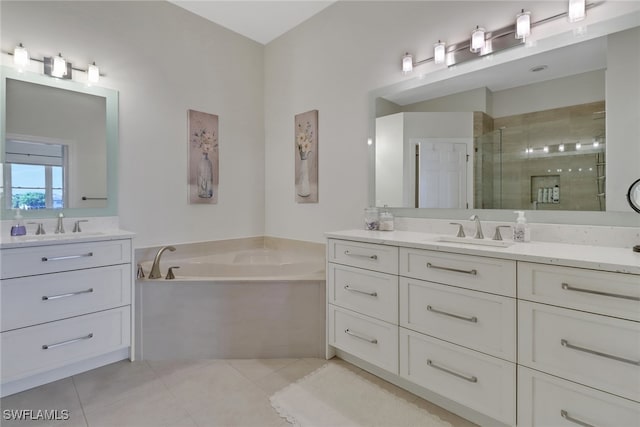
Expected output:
(12, 242)
(622, 260)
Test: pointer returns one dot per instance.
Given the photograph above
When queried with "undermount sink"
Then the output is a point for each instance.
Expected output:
(478, 242)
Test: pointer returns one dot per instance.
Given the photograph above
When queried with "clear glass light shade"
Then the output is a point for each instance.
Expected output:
(93, 73)
(477, 40)
(578, 146)
(577, 10)
(407, 63)
(59, 68)
(439, 52)
(561, 147)
(20, 57)
(523, 24)
(545, 149)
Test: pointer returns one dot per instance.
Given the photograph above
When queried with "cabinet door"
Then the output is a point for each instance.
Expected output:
(367, 292)
(484, 383)
(477, 320)
(364, 255)
(54, 258)
(601, 292)
(31, 300)
(597, 351)
(492, 275)
(29, 351)
(544, 400)
(369, 339)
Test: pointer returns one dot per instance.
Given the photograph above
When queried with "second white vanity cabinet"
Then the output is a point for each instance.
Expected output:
(65, 308)
(469, 324)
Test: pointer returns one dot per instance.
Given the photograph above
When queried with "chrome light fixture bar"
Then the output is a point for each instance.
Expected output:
(495, 41)
(55, 66)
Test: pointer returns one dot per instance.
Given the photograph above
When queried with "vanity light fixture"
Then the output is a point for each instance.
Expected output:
(477, 39)
(20, 57)
(407, 63)
(439, 52)
(523, 24)
(577, 10)
(484, 43)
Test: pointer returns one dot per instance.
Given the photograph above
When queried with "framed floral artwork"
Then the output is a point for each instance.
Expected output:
(203, 157)
(306, 157)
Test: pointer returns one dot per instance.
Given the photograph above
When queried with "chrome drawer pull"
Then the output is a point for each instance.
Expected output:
(564, 414)
(472, 272)
(568, 287)
(60, 258)
(472, 319)
(471, 379)
(369, 340)
(60, 344)
(566, 343)
(374, 257)
(71, 294)
(350, 289)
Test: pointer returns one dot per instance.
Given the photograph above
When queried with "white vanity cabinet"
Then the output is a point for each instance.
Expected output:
(504, 340)
(65, 308)
(362, 292)
(578, 346)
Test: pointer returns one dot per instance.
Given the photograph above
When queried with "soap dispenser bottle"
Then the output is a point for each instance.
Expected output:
(18, 228)
(521, 231)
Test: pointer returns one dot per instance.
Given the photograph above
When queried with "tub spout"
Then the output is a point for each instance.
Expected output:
(155, 268)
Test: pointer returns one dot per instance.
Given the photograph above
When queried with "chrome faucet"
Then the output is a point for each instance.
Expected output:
(155, 268)
(478, 234)
(60, 226)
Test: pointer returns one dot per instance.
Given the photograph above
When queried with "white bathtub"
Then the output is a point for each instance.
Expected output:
(250, 303)
(256, 264)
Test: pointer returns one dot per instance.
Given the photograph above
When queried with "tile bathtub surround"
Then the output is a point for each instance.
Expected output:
(610, 236)
(183, 393)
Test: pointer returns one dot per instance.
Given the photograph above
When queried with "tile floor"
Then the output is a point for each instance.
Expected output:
(181, 393)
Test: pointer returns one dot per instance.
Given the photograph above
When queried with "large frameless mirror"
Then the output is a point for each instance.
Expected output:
(59, 146)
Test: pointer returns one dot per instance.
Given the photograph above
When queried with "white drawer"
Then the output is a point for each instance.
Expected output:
(590, 349)
(613, 294)
(497, 276)
(31, 300)
(364, 255)
(74, 256)
(545, 401)
(484, 383)
(369, 339)
(478, 320)
(71, 340)
(367, 292)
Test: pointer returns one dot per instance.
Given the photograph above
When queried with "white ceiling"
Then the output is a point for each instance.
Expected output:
(259, 20)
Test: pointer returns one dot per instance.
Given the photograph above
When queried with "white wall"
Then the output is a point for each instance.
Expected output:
(472, 100)
(163, 61)
(564, 92)
(389, 160)
(330, 63)
(623, 116)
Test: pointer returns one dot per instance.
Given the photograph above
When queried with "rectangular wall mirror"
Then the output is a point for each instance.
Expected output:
(59, 147)
(546, 131)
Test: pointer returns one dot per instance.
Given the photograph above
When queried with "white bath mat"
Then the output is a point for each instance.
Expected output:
(333, 396)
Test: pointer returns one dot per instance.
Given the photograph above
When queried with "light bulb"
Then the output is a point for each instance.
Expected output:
(523, 24)
(577, 10)
(545, 149)
(59, 68)
(20, 57)
(439, 52)
(477, 40)
(93, 73)
(561, 147)
(578, 146)
(407, 63)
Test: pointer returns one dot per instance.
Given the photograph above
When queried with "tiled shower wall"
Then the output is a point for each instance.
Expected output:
(511, 180)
